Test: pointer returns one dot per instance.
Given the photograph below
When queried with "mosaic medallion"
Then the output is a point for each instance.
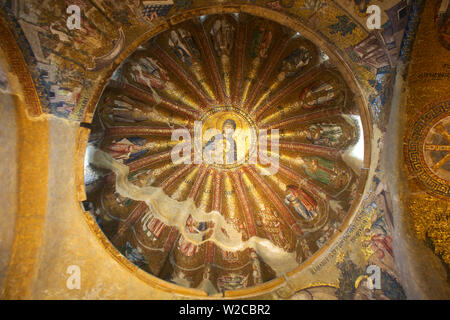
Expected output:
(240, 127)
(428, 149)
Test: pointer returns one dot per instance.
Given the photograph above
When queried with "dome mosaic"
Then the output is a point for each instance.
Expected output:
(234, 217)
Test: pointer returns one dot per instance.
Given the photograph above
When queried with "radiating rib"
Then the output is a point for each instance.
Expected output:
(171, 239)
(134, 216)
(167, 183)
(159, 173)
(211, 62)
(204, 201)
(240, 49)
(139, 131)
(205, 195)
(231, 209)
(167, 61)
(169, 245)
(249, 80)
(277, 202)
(148, 97)
(198, 181)
(281, 112)
(249, 221)
(144, 162)
(217, 191)
(327, 152)
(302, 118)
(216, 206)
(273, 59)
(301, 79)
(210, 251)
(225, 62)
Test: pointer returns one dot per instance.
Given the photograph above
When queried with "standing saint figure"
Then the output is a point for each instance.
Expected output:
(318, 94)
(184, 46)
(261, 42)
(325, 134)
(301, 202)
(295, 62)
(323, 170)
(148, 72)
(127, 149)
(122, 111)
(222, 36)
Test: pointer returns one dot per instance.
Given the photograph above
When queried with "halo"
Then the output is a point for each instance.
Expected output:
(237, 119)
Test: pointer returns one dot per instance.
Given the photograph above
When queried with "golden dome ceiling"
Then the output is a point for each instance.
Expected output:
(229, 223)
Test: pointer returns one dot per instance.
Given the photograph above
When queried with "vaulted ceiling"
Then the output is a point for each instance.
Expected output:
(283, 206)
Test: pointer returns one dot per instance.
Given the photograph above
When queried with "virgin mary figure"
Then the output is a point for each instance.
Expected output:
(214, 152)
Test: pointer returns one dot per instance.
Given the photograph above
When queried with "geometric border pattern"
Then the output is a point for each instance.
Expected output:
(414, 148)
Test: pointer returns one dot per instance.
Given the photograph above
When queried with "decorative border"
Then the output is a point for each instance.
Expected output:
(244, 115)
